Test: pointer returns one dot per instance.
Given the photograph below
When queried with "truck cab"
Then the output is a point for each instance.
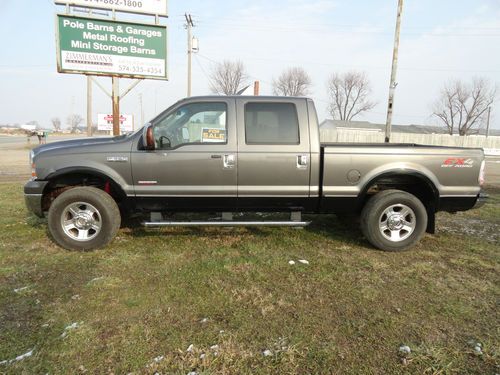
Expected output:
(237, 152)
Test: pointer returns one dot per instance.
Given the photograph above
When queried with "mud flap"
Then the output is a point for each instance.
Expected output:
(431, 220)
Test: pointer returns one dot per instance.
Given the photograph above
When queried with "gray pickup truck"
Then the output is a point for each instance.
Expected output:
(246, 154)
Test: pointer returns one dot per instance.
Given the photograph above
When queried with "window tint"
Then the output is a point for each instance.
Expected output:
(192, 123)
(271, 123)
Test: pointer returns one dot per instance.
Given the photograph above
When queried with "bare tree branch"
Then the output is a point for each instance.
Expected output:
(462, 107)
(228, 77)
(292, 82)
(73, 121)
(56, 123)
(349, 95)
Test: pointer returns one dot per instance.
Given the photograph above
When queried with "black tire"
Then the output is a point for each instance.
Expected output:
(89, 210)
(388, 209)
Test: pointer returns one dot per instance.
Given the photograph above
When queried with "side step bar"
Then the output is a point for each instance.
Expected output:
(226, 223)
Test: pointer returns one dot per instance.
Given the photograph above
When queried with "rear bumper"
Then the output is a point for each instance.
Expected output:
(454, 204)
(33, 193)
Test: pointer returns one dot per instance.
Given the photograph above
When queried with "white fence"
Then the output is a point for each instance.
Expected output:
(369, 136)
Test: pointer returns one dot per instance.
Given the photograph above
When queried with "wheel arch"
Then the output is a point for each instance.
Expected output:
(401, 177)
(412, 182)
(63, 178)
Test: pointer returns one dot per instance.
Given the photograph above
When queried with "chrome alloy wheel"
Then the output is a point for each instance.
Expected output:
(81, 221)
(397, 222)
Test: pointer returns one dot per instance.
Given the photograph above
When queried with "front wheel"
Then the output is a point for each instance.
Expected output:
(83, 218)
(393, 220)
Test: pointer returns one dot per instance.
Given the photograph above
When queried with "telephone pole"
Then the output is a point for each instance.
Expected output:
(115, 96)
(189, 25)
(393, 83)
(488, 122)
(89, 106)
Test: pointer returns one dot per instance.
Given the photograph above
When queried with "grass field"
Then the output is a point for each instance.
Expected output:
(138, 305)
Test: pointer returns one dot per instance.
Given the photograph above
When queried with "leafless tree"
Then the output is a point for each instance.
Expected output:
(292, 82)
(462, 107)
(73, 121)
(56, 123)
(228, 77)
(349, 95)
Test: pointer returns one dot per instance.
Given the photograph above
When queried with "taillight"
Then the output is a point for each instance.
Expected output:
(481, 174)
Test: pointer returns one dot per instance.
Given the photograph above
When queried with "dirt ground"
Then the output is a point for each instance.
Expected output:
(14, 156)
(14, 162)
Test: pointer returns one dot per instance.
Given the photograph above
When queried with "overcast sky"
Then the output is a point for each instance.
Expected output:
(440, 41)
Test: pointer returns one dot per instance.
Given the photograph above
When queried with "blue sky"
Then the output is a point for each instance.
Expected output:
(441, 40)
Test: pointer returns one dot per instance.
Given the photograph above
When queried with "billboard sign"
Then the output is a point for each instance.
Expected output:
(112, 48)
(153, 7)
(105, 122)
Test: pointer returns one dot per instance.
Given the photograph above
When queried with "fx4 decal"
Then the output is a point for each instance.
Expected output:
(457, 163)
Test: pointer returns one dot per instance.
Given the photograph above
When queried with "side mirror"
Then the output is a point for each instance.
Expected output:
(148, 139)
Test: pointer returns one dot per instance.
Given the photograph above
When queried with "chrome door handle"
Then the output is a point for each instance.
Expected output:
(229, 161)
(302, 161)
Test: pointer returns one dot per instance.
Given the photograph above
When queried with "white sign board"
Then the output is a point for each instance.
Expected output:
(105, 122)
(28, 127)
(154, 7)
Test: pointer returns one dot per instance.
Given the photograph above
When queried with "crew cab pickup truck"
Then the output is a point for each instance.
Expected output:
(232, 154)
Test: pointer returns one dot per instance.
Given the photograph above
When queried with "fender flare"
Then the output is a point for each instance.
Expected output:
(88, 171)
(402, 172)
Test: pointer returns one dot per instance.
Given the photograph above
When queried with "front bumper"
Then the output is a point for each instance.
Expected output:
(33, 193)
(482, 198)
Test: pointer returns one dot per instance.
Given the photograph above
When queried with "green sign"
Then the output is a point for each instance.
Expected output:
(114, 48)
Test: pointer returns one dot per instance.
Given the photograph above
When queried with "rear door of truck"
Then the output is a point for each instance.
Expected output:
(273, 152)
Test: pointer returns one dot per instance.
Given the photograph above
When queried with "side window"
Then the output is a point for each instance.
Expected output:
(194, 123)
(271, 123)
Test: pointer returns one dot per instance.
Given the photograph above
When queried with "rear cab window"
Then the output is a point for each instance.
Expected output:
(271, 123)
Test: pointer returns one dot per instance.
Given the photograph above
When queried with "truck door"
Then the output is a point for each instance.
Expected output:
(273, 152)
(194, 156)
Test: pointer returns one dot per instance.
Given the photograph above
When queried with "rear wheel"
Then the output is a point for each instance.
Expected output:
(83, 218)
(393, 220)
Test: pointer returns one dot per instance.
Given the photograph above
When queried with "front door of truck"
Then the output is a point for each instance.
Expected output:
(195, 154)
(273, 152)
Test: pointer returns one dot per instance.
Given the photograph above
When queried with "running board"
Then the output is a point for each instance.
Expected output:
(226, 223)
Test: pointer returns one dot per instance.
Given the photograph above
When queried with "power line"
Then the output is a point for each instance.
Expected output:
(321, 29)
(359, 66)
(251, 23)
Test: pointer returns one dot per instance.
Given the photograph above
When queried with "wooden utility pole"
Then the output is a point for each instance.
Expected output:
(189, 25)
(89, 106)
(115, 96)
(393, 83)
